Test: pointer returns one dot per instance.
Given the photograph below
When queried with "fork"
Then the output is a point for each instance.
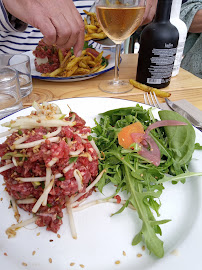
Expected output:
(151, 99)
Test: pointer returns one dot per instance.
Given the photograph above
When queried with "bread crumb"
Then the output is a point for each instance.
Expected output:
(72, 264)
(34, 252)
(38, 234)
(5, 254)
(24, 264)
(117, 262)
(143, 248)
(50, 260)
(81, 265)
(58, 235)
(1, 199)
(139, 255)
(124, 253)
(51, 240)
(175, 252)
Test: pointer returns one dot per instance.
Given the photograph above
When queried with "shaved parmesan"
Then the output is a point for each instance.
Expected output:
(40, 61)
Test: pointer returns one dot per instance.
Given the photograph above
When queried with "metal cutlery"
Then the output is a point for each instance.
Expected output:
(181, 111)
(151, 99)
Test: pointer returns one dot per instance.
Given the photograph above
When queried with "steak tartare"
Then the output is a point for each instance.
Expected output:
(46, 160)
(47, 58)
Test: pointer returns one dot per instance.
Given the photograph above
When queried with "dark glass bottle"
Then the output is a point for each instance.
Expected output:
(158, 46)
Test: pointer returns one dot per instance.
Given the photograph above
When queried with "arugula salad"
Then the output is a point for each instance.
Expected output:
(139, 155)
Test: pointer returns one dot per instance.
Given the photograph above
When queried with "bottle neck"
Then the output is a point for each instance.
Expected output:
(175, 9)
(163, 11)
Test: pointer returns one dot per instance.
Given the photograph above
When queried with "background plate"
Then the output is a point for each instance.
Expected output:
(101, 238)
(37, 75)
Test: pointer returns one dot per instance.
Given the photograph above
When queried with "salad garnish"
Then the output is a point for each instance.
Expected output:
(141, 154)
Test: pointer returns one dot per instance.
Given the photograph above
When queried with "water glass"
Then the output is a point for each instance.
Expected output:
(21, 63)
(10, 95)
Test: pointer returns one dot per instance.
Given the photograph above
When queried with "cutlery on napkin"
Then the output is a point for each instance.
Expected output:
(189, 108)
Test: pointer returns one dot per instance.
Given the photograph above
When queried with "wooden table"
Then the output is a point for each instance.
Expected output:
(183, 86)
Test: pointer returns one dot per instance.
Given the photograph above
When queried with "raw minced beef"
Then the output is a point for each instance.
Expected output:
(47, 59)
(34, 161)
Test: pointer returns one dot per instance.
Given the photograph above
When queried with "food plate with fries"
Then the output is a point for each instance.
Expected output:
(93, 28)
(72, 64)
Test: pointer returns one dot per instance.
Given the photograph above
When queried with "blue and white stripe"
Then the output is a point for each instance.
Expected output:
(5, 25)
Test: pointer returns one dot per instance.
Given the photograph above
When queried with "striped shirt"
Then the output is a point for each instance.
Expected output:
(17, 37)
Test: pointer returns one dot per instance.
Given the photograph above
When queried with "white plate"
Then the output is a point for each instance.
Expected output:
(101, 238)
(37, 75)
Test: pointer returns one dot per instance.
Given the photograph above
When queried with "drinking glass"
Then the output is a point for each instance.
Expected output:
(10, 96)
(119, 19)
(21, 63)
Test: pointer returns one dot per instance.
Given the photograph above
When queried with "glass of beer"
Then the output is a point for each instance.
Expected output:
(119, 19)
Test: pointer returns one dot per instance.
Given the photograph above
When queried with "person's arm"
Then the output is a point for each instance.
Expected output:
(191, 14)
(8, 22)
(59, 21)
(196, 26)
(150, 11)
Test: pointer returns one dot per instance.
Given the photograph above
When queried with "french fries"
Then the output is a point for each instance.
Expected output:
(146, 88)
(93, 30)
(60, 56)
(89, 62)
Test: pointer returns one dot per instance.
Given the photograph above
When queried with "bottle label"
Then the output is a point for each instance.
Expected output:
(153, 81)
(162, 61)
(179, 53)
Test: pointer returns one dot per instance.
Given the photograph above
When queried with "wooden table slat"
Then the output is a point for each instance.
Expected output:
(184, 86)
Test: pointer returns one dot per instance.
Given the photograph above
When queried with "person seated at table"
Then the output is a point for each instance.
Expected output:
(23, 23)
(17, 21)
(191, 14)
(150, 11)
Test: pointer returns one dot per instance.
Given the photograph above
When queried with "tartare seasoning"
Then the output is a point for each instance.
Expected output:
(139, 255)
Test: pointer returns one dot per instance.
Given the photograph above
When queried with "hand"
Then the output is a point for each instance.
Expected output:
(150, 11)
(59, 21)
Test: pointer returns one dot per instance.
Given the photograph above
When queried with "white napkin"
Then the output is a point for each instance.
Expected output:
(187, 106)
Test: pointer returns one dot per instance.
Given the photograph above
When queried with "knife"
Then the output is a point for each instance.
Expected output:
(179, 110)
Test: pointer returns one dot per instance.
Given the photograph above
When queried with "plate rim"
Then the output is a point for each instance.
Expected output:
(73, 78)
(75, 98)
